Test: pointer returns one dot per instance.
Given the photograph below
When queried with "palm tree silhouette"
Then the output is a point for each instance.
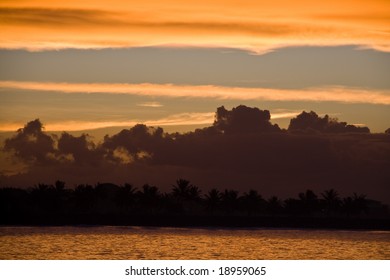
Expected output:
(186, 195)
(331, 201)
(230, 200)
(44, 197)
(84, 197)
(360, 202)
(183, 189)
(149, 198)
(252, 202)
(354, 205)
(309, 201)
(274, 205)
(59, 185)
(126, 197)
(213, 200)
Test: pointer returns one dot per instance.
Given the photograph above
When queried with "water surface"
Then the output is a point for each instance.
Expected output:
(189, 243)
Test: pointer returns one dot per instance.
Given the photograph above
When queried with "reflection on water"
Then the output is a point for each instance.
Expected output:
(189, 243)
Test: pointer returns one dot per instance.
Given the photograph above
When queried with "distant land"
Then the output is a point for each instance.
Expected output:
(186, 205)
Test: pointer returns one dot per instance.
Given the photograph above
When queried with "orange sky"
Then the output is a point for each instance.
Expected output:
(335, 94)
(255, 25)
(285, 56)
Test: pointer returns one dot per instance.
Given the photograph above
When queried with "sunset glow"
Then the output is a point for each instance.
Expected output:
(255, 25)
(228, 93)
(175, 120)
(337, 94)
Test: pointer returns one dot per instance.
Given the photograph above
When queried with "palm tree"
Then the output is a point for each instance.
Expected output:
(213, 200)
(252, 202)
(274, 205)
(187, 196)
(354, 205)
(149, 198)
(59, 185)
(60, 195)
(44, 199)
(182, 189)
(194, 193)
(309, 201)
(331, 201)
(293, 206)
(230, 200)
(126, 197)
(84, 197)
(360, 202)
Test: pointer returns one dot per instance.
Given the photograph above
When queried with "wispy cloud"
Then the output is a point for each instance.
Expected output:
(333, 94)
(150, 104)
(185, 119)
(359, 124)
(193, 118)
(284, 115)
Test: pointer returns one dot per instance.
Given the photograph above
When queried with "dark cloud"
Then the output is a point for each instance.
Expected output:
(78, 149)
(31, 143)
(312, 122)
(243, 119)
(140, 142)
(241, 150)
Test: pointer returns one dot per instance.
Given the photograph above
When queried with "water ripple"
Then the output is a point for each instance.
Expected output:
(185, 243)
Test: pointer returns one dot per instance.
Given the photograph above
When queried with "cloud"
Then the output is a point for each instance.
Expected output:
(85, 17)
(31, 143)
(312, 122)
(193, 118)
(184, 119)
(336, 94)
(137, 143)
(79, 149)
(284, 114)
(54, 17)
(150, 104)
(257, 26)
(243, 119)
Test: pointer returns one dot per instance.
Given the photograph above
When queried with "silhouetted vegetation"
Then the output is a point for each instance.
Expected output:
(107, 203)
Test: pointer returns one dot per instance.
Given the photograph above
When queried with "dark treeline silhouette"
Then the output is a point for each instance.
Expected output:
(185, 205)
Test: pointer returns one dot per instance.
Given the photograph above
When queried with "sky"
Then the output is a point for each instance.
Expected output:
(79, 65)
(101, 66)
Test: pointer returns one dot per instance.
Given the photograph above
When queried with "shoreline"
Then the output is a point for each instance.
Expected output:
(228, 222)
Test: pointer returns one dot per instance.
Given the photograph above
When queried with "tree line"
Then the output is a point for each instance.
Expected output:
(86, 203)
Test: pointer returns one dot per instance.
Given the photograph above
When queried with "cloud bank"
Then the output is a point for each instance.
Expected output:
(241, 149)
